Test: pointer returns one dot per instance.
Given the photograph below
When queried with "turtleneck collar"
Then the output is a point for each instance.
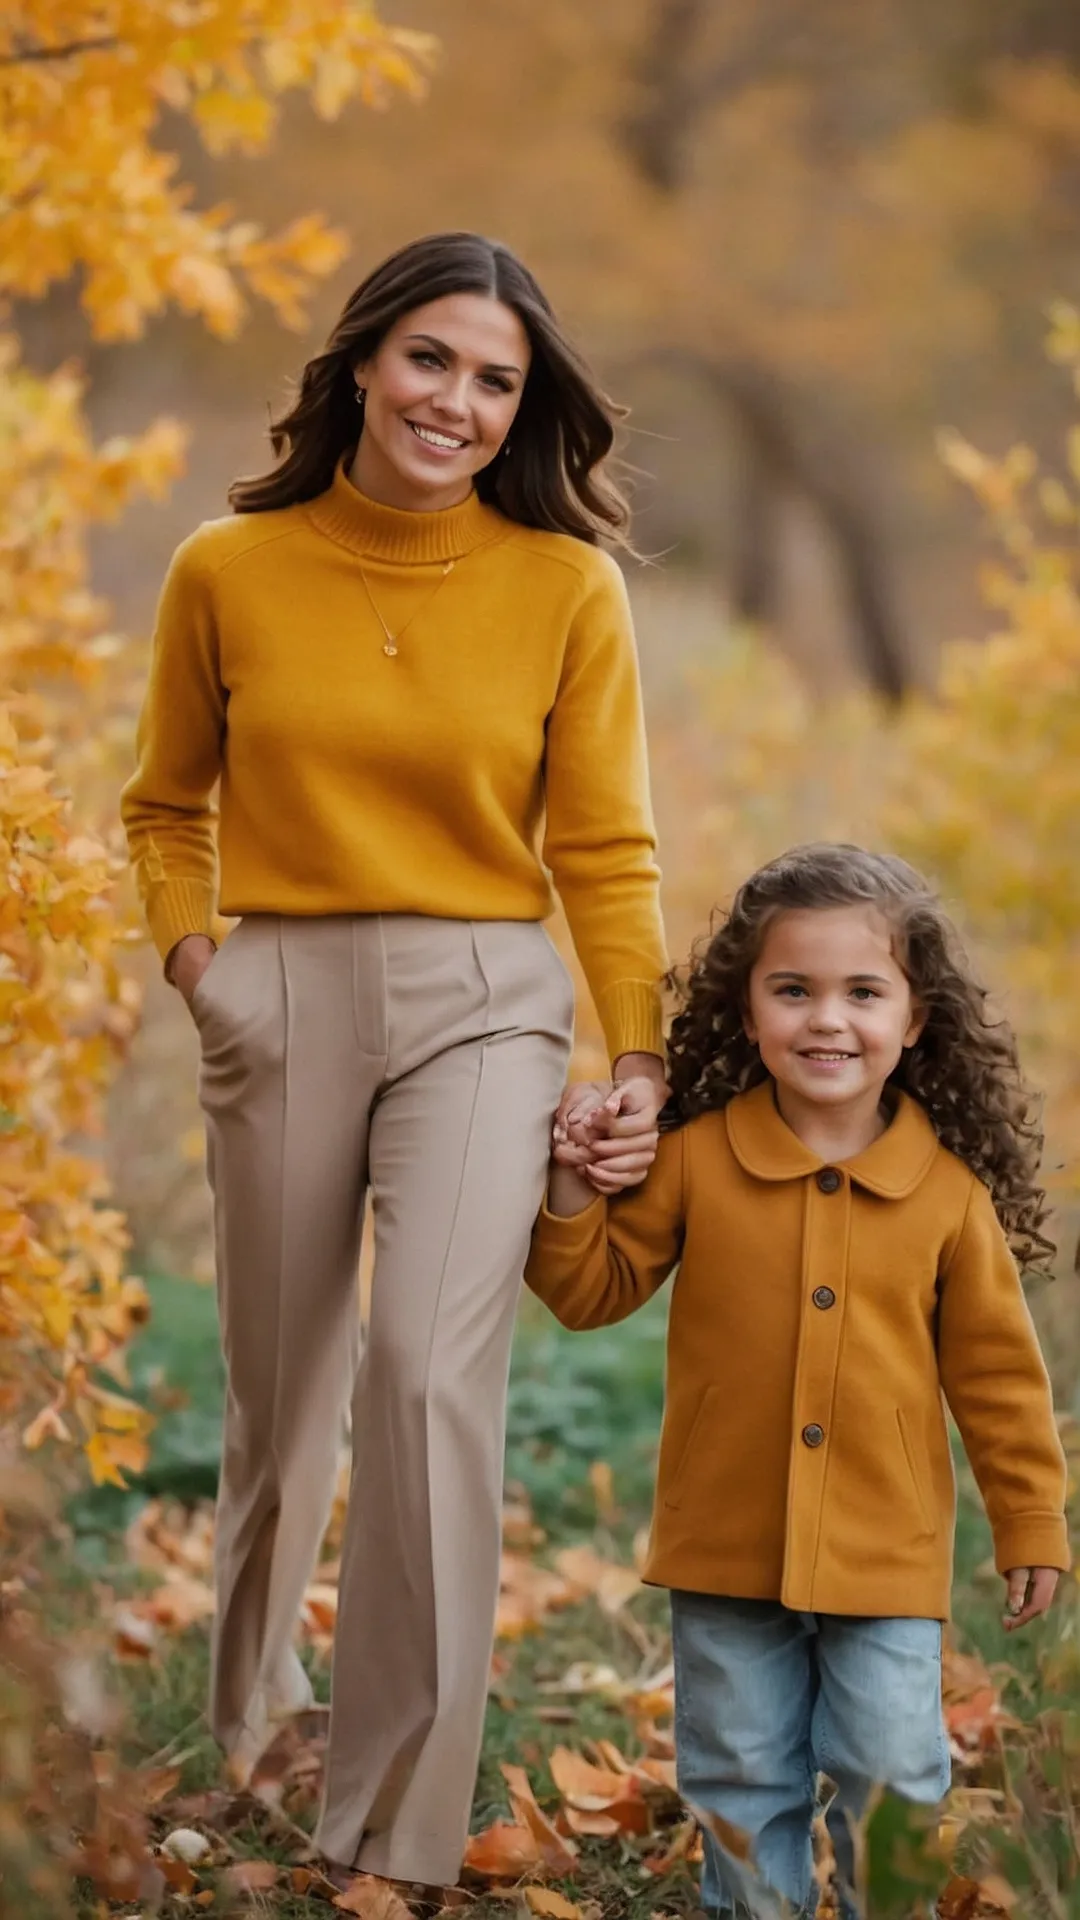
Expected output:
(388, 533)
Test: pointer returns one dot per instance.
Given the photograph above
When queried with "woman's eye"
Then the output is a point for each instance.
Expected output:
(496, 382)
(425, 358)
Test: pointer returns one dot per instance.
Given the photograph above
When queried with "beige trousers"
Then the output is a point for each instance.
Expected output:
(422, 1058)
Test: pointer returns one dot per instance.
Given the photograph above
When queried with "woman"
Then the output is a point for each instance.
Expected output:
(412, 670)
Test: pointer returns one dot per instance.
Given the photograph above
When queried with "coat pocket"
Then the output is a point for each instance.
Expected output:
(676, 1486)
(914, 1475)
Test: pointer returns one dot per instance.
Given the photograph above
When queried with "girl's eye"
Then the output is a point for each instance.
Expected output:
(864, 993)
(791, 992)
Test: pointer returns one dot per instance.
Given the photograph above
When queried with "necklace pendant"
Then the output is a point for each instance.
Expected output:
(390, 650)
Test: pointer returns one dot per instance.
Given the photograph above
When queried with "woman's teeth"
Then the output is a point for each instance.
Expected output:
(434, 439)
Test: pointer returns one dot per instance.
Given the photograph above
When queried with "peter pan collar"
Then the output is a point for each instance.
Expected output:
(765, 1146)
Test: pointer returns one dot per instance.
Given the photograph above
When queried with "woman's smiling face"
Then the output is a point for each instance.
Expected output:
(440, 395)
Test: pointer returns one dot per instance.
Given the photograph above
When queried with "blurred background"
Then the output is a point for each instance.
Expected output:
(827, 253)
(801, 243)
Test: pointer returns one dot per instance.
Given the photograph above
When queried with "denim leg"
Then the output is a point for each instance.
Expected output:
(744, 1689)
(877, 1720)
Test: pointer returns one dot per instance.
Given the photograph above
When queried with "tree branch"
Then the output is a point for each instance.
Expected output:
(779, 455)
(27, 55)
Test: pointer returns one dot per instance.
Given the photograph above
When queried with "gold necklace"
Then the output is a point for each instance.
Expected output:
(390, 644)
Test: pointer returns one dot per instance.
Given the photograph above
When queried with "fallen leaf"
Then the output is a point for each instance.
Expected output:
(959, 1899)
(602, 1482)
(683, 1845)
(373, 1898)
(503, 1852)
(588, 1826)
(590, 1575)
(252, 1876)
(180, 1603)
(586, 1789)
(134, 1637)
(558, 1853)
(586, 1676)
(155, 1784)
(179, 1876)
(551, 1905)
(526, 1594)
(997, 1893)
(662, 1773)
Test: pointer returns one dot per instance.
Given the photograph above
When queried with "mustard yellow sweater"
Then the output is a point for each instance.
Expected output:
(501, 748)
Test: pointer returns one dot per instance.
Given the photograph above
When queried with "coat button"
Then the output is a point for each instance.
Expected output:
(828, 1180)
(813, 1435)
(824, 1297)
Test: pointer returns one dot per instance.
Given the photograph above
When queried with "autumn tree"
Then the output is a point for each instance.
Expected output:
(989, 792)
(86, 191)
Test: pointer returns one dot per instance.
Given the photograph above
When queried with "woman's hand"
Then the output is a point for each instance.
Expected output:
(188, 961)
(1031, 1590)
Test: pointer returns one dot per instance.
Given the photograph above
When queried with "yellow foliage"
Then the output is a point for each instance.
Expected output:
(83, 84)
(82, 88)
(990, 793)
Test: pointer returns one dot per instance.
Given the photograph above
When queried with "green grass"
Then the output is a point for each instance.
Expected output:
(574, 1400)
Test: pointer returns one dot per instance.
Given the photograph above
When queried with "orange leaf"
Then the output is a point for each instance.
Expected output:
(559, 1854)
(595, 1790)
(252, 1876)
(503, 1852)
(612, 1585)
(374, 1899)
(156, 1783)
(595, 1826)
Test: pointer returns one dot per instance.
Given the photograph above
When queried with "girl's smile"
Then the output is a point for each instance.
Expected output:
(831, 1012)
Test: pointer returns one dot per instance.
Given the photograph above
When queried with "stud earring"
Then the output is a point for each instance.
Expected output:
(360, 392)
(506, 448)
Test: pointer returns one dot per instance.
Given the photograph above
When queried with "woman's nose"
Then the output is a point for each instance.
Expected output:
(452, 398)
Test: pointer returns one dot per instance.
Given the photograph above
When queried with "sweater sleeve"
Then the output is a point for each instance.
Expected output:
(997, 1386)
(599, 1266)
(600, 842)
(166, 805)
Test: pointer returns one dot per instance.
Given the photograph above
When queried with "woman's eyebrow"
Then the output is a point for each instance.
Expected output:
(440, 346)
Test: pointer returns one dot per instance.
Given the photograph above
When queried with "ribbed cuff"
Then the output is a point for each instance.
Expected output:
(177, 908)
(631, 1014)
(1032, 1540)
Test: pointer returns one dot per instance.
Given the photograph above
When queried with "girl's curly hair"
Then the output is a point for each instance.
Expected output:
(963, 1070)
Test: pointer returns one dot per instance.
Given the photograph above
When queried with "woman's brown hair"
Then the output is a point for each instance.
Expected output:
(963, 1069)
(564, 429)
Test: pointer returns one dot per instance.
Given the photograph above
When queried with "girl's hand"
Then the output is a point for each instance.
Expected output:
(623, 1135)
(1031, 1590)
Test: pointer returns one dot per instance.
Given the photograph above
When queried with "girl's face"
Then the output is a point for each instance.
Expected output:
(440, 395)
(829, 1008)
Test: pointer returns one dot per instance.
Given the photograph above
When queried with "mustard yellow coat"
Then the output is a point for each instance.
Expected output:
(818, 1315)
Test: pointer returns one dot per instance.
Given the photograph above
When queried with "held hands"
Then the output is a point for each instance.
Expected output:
(607, 1133)
(1030, 1591)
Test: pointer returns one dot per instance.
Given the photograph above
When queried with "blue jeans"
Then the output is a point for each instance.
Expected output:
(765, 1700)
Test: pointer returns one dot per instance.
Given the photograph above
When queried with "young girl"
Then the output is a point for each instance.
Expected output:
(847, 1167)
